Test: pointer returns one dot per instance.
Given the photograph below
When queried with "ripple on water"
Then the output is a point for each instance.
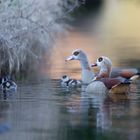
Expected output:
(42, 108)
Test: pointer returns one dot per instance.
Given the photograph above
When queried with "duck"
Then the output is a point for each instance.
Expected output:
(7, 84)
(66, 81)
(114, 76)
(115, 85)
(87, 74)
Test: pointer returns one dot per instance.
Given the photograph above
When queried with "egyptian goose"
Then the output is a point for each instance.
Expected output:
(7, 84)
(68, 82)
(87, 74)
(115, 85)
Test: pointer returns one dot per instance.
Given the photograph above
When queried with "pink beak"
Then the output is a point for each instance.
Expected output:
(94, 65)
(70, 58)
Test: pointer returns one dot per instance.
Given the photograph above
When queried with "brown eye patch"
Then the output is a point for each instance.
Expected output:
(100, 59)
(76, 53)
(64, 76)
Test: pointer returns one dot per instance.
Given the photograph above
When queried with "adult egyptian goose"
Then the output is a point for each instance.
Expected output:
(87, 74)
(115, 85)
(66, 81)
(105, 72)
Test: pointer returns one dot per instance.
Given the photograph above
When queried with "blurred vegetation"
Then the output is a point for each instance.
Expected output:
(28, 30)
(27, 33)
(86, 9)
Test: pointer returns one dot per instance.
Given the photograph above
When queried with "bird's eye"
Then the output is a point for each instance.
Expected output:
(64, 76)
(76, 53)
(100, 59)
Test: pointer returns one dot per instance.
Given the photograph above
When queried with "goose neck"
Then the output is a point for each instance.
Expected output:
(85, 65)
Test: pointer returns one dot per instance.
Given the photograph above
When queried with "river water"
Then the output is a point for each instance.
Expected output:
(43, 110)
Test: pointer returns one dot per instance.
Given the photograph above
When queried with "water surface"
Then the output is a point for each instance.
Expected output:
(43, 110)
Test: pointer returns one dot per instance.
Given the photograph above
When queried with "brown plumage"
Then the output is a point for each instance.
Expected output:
(126, 73)
(121, 88)
(121, 80)
(111, 82)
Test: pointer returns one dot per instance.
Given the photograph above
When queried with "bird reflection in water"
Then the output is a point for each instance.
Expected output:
(4, 124)
(94, 110)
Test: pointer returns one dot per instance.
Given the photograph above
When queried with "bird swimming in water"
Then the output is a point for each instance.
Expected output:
(106, 71)
(118, 84)
(87, 74)
(68, 82)
(7, 84)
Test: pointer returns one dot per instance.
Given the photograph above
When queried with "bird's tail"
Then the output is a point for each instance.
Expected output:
(132, 79)
(123, 87)
(135, 77)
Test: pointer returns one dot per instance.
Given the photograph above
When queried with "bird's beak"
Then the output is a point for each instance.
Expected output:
(94, 65)
(70, 58)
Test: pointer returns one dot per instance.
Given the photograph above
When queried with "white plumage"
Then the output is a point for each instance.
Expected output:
(68, 82)
(87, 74)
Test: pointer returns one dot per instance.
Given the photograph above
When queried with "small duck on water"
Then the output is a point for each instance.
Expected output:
(66, 81)
(6, 84)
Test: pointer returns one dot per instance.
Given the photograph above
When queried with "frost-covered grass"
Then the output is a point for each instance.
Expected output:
(28, 29)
